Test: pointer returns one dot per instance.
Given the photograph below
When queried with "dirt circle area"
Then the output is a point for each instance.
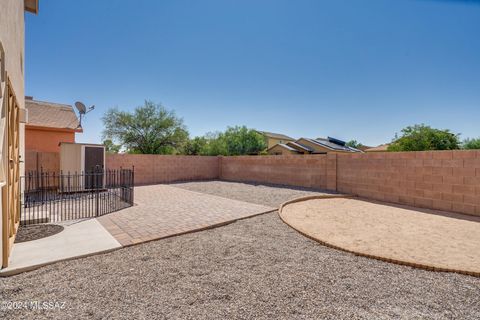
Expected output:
(420, 238)
(35, 232)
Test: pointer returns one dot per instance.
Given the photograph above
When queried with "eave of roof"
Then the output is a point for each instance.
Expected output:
(31, 6)
(282, 145)
(42, 128)
(83, 144)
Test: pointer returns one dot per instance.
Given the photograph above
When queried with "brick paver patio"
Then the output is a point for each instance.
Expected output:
(161, 211)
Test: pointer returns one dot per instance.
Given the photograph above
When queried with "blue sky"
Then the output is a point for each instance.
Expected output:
(351, 69)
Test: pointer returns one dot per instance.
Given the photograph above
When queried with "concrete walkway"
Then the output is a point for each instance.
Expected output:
(78, 239)
(162, 211)
(429, 239)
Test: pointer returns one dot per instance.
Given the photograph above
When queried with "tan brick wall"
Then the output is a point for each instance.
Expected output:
(294, 170)
(445, 180)
(152, 168)
(332, 171)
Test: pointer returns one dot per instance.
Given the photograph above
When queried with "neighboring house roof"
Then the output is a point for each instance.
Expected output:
(276, 135)
(380, 148)
(332, 144)
(297, 146)
(282, 145)
(363, 148)
(51, 115)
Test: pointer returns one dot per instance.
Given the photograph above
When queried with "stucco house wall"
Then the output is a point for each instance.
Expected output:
(12, 44)
(271, 142)
(44, 140)
(12, 38)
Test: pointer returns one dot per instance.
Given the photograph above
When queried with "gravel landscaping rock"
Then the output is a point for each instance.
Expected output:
(271, 195)
(257, 268)
(34, 232)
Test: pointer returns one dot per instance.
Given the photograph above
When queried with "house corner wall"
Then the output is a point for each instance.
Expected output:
(12, 41)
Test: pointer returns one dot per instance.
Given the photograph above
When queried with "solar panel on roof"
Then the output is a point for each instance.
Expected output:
(337, 141)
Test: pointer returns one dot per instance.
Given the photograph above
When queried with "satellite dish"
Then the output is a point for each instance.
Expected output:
(80, 107)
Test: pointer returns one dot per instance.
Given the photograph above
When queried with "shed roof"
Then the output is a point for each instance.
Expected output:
(51, 115)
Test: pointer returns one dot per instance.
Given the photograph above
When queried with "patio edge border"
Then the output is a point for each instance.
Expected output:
(213, 226)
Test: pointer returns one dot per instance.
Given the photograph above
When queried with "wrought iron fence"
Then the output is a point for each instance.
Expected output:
(53, 197)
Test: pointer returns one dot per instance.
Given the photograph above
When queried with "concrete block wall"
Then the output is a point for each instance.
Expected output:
(444, 180)
(295, 170)
(152, 168)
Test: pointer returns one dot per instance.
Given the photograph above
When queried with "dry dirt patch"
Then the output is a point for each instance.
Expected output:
(422, 238)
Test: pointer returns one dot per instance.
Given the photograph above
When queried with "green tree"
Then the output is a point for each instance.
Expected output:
(238, 140)
(215, 145)
(149, 129)
(111, 147)
(195, 146)
(241, 141)
(421, 137)
(354, 144)
(471, 143)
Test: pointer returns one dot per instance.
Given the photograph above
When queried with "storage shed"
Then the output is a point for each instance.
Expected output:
(81, 157)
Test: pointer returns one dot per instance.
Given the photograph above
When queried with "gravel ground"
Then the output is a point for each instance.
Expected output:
(271, 195)
(255, 268)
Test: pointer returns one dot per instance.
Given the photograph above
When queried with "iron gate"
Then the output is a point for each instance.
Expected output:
(53, 197)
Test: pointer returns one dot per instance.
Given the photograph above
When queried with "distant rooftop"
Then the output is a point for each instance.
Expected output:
(282, 145)
(294, 144)
(333, 144)
(51, 115)
(276, 135)
(380, 148)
